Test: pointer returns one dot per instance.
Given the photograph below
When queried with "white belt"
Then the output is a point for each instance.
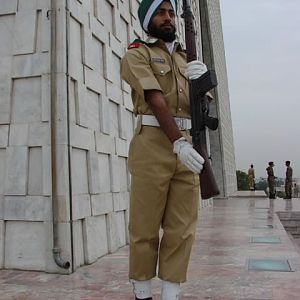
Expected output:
(182, 123)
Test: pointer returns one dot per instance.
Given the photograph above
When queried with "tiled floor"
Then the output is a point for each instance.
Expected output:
(218, 268)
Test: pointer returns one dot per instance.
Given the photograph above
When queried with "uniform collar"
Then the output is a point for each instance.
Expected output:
(160, 43)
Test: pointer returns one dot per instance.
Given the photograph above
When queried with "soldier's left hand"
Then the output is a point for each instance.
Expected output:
(195, 69)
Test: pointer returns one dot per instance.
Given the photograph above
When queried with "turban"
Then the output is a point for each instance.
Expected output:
(147, 10)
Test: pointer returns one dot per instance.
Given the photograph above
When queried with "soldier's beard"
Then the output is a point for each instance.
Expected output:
(166, 36)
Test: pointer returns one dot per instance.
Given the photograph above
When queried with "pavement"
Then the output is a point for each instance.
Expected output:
(232, 236)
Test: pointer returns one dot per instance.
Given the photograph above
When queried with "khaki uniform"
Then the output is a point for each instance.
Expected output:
(164, 193)
(271, 182)
(251, 177)
(288, 182)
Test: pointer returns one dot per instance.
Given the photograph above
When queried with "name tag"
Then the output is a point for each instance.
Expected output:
(158, 60)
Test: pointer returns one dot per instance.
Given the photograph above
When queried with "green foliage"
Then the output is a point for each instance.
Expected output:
(242, 181)
(262, 184)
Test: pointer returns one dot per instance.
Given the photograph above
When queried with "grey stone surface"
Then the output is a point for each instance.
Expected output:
(95, 237)
(25, 244)
(102, 204)
(30, 208)
(16, 170)
(78, 244)
(2, 230)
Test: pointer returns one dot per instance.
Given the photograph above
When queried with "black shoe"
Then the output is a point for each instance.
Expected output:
(150, 298)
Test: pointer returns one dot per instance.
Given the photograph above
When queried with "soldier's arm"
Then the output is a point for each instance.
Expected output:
(156, 102)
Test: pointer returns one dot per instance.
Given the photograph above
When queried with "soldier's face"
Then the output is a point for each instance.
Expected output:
(162, 24)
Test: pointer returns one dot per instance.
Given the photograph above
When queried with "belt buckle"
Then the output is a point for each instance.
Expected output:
(181, 123)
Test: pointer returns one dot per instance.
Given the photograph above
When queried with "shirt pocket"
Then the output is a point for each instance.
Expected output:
(163, 75)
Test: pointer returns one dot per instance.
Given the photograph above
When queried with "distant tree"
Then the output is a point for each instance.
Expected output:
(261, 184)
(242, 180)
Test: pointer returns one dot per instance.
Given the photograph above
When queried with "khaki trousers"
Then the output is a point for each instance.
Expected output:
(164, 194)
(288, 189)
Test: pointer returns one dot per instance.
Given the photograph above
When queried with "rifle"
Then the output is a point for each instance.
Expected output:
(199, 106)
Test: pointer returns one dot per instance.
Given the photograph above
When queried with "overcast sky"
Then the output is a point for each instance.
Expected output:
(262, 46)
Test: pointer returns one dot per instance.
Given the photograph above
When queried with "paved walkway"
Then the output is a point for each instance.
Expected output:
(218, 269)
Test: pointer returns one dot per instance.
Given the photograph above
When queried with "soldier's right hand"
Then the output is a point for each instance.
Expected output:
(188, 155)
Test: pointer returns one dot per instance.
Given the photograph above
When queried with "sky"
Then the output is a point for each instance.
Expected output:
(262, 49)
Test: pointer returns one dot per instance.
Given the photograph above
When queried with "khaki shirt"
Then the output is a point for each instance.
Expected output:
(270, 172)
(289, 174)
(251, 172)
(149, 66)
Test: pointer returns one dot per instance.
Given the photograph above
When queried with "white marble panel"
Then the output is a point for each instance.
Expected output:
(75, 52)
(121, 201)
(35, 171)
(8, 7)
(6, 30)
(105, 14)
(104, 143)
(104, 173)
(81, 206)
(115, 173)
(87, 48)
(2, 170)
(95, 237)
(104, 114)
(125, 123)
(127, 101)
(118, 51)
(46, 97)
(79, 172)
(116, 230)
(1, 206)
(114, 92)
(93, 110)
(39, 134)
(122, 174)
(78, 244)
(79, 93)
(26, 106)
(25, 32)
(2, 230)
(16, 170)
(114, 119)
(25, 245)
(99, 31)
(30, 208)
(93, 172)
(102, 204)
(94, 80)
(33, 4)
(122, 147)
(47, 171)
(3, 136)
(82, 137)
(31, 65)
(18, 135)
(124, 8)
(97, 55)
(5, 88)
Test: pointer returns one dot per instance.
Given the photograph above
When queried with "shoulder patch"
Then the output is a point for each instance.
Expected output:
(135, 44)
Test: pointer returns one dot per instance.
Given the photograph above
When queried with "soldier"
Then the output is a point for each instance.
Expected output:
(271, 180)
(164, 166)
(251, 177)
(288, 180)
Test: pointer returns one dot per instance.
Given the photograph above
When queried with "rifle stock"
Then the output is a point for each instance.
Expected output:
(197, 90)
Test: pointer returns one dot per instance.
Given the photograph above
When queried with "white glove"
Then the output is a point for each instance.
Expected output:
(195, 69)
(188, 155)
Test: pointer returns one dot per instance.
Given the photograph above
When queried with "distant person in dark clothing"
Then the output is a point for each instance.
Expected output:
(288, 180)
(271, 180)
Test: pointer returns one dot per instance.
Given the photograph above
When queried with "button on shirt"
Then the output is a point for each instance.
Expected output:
(151, 67)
